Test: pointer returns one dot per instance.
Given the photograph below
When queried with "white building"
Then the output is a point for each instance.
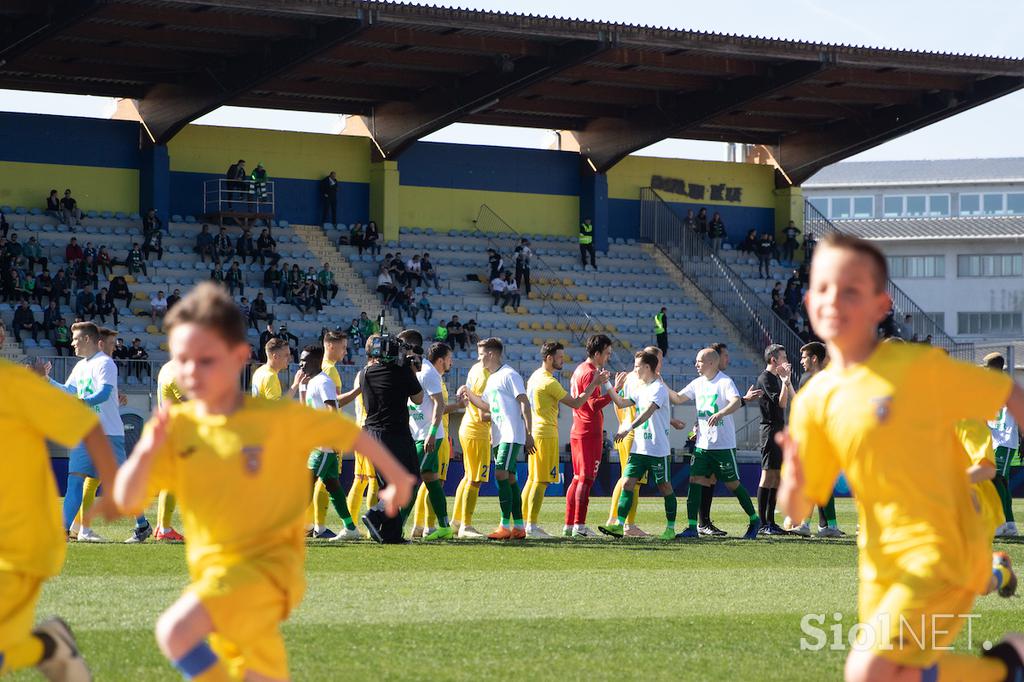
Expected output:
(953, 232)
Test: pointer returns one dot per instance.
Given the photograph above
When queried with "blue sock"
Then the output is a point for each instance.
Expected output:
(72, 499)
(930, 674)
(197, 661)
(141, 521)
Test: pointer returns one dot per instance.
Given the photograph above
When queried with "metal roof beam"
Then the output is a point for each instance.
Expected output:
(397, 125)
(605, 141)
(20, 36)
(803, 154)
(167, 108)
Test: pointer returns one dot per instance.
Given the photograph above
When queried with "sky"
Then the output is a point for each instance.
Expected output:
(989, 27)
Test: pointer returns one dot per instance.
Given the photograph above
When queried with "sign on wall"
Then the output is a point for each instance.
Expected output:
(697, 191)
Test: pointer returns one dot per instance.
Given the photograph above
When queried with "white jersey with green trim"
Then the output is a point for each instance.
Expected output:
(422, 415)
(710, 396)
(507, 424)
(652, 437)
(1004, 430)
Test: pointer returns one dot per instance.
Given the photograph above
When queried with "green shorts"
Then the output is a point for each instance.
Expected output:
(505, 456)
(429, 461)
(639, 465)
(324, 464)
(1004, 456)
(721, 463)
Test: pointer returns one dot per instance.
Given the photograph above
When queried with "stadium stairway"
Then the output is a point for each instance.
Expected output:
(350, 281)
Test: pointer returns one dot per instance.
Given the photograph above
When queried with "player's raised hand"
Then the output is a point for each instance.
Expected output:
(753, 394)
(620, 380)
(42, 367)
(785, 369)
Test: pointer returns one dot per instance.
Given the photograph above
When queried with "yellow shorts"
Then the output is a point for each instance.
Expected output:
(543, 463)
(898, 618)
(623, 449)
(247, 608)
(476, 458)
(364, 467)
(444, 458)
(19, 594)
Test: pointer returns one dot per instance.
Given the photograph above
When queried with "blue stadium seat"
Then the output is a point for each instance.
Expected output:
(107, 215)
(135, 216)
(35, 211)
(92, 214)
(190, 219)
(121, 216)
(283, 223)
(328, 226)
(176, 218)
(6, 209)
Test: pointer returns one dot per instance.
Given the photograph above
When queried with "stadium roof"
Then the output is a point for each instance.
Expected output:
(411, 70)
(912, 229)
(924, 172)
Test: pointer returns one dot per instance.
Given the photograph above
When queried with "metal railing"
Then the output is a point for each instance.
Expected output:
(240, 196)
(815, 223)
(752, 317)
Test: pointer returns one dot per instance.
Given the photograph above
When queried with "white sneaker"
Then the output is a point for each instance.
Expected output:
(585, 532)
(75, 527)
(89, 535)
(469, 533)
(1010, 529)
(65, 664)
(829, 532)
(537, 533)
(428, 530)
(346, 534)
(803, 530)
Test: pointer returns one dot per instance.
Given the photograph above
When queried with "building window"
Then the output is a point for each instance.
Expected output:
(991, 324)
(938, 205)
(992, 203)
(821, 204)
(915, 205)
(863, 207)
(970, 204)
(1015, 204)
(840, 207)
(892, 207)
(990, 265)
(916, 267)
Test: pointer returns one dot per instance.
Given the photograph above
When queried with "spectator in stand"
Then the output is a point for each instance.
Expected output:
(511, 290)
(907, 328)
(12, 285)
(258, 184)
(414, 271)
(237, 184)
(151, 223)
(765, 251)
(103, 262)
(456, 333)
(305, 298)
(367, 327)
(89, 254)
(28, 286)
(85, 303)
(33, 253)
(809, 243)
(173, 298)
(217, 274)
(716, 231)
(204, 244)
(701, 223)
(135, 261)
(272, 281)
(371, 238)
(53, 205)
(259, 311)
(471, 336)
(424, 307)
(235, 279)
(429, 272)
(266, 247)
(62, 287)
(325, 278)
(44, 285)
(400, 304)
(153, 243)
(495, 264)
(245, 308)
(329, 199)
(265, 336)
(385, 285)
(524, 254)
(14, 251)
(749, 243)
(51, 316)
(245, 247)
(295, 277)
(789, 246)
(85, 274)
(793, 296)
(5, 226)
(310, 276)
(105, 306)
(498, 290)
(69, 210)
(222, 249)
(689, 222)
(118, 289)
(72, 252)
(355, 337)
(139, 359)
(441, 332)
(157, 306)
(25, 321)
(62, 338)
(293, 341)
(121, 355)
(354, 238)
(399, 271)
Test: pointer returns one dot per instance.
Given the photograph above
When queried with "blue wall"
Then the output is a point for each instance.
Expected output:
(624, 218)
(67, 140)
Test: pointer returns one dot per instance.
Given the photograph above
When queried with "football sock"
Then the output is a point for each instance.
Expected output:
(671, 505)
(517, 502)
(1004, 497)
(435, 493)
(537, 492)
(694, 496)
(744, 497)
(202, 665)
(505, 500)
(527, 496)
(631, 517)
(372, 488)
(762, 505)
(458, 503)
(583, 500)
(773, 496)
(320, 499)
(625, 502)
(1001, 575)
(822, 518)
(341, 507)
(355, 496)
(165, 504)
(72, 498)
(570, 502)
(706, 498)
(25, 653)
(89, 489)
(953, 666)
(472, 492)
(616, 492)
(829, 511)
(419, 515)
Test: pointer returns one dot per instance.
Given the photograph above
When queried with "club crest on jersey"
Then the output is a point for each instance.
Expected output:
(253, 456)
(882, 408)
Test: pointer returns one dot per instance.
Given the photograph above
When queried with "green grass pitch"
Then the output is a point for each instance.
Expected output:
(594, 610)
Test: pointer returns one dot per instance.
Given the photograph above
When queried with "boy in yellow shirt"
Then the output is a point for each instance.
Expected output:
(167, 393)
(218, 453)
(885, 415)
(32, 539)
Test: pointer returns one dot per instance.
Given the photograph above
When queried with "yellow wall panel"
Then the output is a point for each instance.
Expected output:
(96, 189)
(445, 209)
(629, 176)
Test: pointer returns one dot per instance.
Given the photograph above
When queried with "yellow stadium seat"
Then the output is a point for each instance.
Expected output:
(597, 327)
(164, 346)
(561, 326)
(140, 312)
(509, 310)
(523, 325)
(581, 297)
(627, 345)
(611, 328)
(564, 342)
(538, 341)
(557, 296)
(522, 310)
(548, 326)
(141, 296)
(152, 329)
(535, 326)
(574, 326)
(540, 280)
(567, 281)
(130, 279)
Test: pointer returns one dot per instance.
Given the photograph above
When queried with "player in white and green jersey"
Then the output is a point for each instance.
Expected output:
(506, 401)
(427, 427)
(1005, 440)
(651, 449)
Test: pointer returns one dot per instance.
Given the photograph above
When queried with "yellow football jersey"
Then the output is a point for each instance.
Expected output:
(626, 415)
(889, 424)
(444, 398)
(360, 406)
(332, 372)
(544, 392)
(473, 425)
(266, 383)
(167, 391)
(242, 481)
(32, 412)
(976, 439)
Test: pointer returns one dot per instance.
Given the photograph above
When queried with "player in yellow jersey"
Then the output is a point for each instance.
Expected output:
(238, 466)
(475, 439)
(365, 477)
(545, 394)
(885, 415)
(265, 380)
(167, 393)
(32, 540)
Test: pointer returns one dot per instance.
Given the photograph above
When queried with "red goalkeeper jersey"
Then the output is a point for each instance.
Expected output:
(588, 419)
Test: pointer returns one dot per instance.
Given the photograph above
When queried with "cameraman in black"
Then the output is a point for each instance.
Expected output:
(389, 382)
